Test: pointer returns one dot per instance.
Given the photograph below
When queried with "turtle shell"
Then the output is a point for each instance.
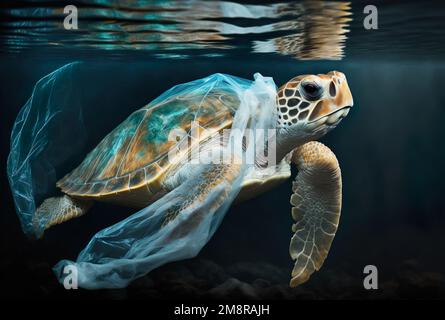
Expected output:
(135, 154)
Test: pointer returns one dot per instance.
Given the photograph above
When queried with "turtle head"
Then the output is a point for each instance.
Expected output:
(311, 105)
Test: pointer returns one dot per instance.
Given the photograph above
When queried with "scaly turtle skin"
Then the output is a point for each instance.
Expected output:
(131, 166)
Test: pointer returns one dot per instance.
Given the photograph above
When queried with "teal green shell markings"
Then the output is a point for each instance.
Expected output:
(135, 152)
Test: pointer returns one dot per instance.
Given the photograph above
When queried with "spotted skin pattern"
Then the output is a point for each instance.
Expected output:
(293, 107)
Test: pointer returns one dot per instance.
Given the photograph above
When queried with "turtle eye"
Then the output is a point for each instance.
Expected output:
(311, 91)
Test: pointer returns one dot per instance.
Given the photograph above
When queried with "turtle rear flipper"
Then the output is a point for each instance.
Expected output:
(175, 227)
(56, 210)
(316, 202)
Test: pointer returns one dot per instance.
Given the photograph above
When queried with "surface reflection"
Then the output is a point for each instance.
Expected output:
(303, 30)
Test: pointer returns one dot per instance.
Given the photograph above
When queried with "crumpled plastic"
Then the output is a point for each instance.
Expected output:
(38, 146)
(133, 247)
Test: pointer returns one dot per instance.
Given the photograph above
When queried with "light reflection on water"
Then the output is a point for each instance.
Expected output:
(304, 30)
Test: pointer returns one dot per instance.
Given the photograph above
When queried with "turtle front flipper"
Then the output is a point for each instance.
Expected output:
(316, 202)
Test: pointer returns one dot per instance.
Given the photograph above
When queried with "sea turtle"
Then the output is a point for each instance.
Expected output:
(130, 165)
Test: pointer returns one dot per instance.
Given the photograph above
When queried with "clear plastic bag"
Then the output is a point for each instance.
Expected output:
(133, 247)
(38, 146)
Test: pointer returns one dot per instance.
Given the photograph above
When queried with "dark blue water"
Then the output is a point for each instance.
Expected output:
(390, 147)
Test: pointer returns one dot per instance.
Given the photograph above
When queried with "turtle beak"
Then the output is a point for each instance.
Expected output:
(336, 100)
(332, 117)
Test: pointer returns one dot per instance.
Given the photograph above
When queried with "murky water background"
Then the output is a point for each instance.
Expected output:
(390, 146)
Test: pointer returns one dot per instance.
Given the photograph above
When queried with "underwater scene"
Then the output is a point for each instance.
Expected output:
(116, 117)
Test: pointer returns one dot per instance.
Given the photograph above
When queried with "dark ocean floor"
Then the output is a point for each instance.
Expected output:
(203, 279)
